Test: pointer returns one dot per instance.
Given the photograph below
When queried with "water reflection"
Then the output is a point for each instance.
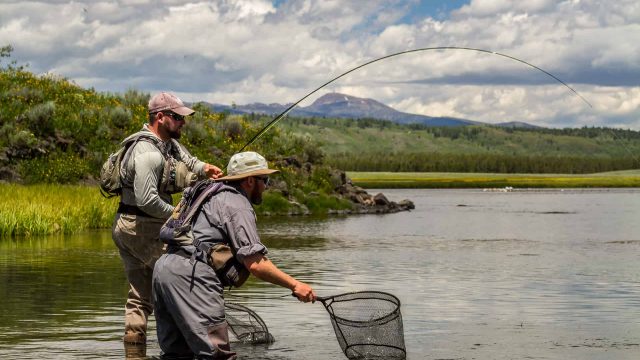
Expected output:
(549, 275)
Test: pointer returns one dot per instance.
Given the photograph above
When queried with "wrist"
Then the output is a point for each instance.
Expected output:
(294, 284)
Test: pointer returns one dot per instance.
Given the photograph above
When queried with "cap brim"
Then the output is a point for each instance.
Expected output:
(183, 110)
(249, 174)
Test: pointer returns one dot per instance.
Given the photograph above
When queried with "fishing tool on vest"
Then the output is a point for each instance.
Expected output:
(177, 232)
(368, 324)
(175, 174)
(284, 113)
(246, 325)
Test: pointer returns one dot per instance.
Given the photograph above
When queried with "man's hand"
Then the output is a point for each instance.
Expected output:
(304, 292)
(212, 171)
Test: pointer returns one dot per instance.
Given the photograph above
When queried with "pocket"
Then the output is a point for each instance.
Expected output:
(229, 270)
(219, 255)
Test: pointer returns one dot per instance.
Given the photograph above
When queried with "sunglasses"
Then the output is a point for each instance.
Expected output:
(175, 116)
(264, 179)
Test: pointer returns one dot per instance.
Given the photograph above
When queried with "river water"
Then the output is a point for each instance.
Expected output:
(481, 275)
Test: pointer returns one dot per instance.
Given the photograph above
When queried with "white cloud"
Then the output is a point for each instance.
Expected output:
(248, 51)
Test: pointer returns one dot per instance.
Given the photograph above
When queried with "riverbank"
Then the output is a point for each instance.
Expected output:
(390, 180)
(44, 209)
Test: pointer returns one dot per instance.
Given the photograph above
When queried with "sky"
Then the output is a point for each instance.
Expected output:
(246, 51)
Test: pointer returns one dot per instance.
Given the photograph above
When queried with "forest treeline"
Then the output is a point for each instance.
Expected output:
(378, 145)
(480, 163)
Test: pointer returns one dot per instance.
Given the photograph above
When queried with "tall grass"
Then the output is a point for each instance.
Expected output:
(48, 209)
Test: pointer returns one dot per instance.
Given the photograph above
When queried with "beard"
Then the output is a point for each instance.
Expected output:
(172, 130)
(174, 134)
(256, 196)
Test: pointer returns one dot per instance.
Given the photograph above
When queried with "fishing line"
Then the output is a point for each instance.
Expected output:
(275, 120)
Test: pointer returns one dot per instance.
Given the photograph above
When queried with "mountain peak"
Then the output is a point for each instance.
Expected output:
(335, 99)
(346, 106)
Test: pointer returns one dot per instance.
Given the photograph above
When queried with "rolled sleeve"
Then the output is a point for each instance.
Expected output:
(249, 250)
(229, 217)
(243, 233)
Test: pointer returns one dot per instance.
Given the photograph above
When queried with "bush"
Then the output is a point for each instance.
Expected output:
(120, 117)
(60, 168)
(273, 203)
(39, 119)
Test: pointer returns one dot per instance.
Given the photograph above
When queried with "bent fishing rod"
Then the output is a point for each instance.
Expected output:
(275, 120)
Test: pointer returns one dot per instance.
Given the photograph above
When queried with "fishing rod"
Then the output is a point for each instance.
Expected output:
(275, 120)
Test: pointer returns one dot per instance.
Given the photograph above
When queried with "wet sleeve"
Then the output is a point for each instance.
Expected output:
(148, 169)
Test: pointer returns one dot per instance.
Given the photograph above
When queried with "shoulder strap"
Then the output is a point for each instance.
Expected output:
(129, 145)
(194, 206)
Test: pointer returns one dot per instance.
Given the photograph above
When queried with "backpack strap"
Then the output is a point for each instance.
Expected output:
(129, 145)
(209, 191)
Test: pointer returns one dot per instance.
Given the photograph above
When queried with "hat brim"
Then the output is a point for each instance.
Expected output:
(248, 174)
(183, 110)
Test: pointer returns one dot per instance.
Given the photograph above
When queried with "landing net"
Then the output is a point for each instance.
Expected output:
(246, 325)
(368, 324)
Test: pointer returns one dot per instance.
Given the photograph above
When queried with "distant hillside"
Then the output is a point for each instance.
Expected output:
(377, 145)
(336, 105)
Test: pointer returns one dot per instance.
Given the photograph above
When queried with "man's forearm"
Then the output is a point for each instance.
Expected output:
(264, 269)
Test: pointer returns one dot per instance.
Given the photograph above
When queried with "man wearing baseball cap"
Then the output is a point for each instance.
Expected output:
(187, 294)
(155, 165)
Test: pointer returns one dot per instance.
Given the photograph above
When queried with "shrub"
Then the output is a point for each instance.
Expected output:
(39, 119)
(120, 117)
(273, 203)
(59, 167)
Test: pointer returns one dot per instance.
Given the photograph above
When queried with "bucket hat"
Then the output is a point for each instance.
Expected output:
(246, 164)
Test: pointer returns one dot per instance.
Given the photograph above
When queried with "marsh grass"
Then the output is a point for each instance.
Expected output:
(383, 180)
(46, 209)
(49, 209)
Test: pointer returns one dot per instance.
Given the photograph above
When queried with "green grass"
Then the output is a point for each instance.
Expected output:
(49, 209)
(46, 209)
(627, 178)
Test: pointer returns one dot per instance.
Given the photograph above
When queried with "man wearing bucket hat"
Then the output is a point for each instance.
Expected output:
(188, 295)
(155, 165)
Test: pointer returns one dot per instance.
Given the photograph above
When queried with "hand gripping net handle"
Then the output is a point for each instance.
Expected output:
(368, 324)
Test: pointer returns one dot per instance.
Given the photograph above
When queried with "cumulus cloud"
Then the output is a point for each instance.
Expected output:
(254, 51)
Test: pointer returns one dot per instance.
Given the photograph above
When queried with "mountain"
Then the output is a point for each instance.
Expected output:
(518, 124)
(338, 105)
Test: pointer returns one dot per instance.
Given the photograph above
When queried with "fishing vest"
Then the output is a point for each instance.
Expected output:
(175, 175)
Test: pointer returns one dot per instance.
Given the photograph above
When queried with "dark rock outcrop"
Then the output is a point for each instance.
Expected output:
(366, 203)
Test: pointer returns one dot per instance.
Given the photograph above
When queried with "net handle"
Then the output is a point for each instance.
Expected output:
(324, 299)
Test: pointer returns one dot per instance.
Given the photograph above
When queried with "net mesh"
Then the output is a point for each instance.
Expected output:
(246, 326)
(368, 324)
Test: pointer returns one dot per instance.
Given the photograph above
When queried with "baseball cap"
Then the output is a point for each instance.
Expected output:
(246, 164)
(168, 101)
